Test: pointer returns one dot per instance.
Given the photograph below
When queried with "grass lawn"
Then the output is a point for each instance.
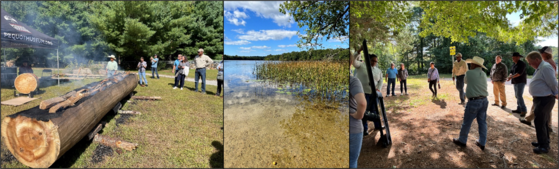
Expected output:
(183, 130)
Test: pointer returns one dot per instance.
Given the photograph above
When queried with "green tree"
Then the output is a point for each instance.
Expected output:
(328, 19)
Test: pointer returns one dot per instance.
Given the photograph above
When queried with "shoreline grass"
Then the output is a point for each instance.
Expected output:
(328, 78)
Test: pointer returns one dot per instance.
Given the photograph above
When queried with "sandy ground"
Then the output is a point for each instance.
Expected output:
(422, 130)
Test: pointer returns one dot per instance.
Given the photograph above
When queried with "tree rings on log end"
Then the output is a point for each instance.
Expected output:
(26, 83)
(34, 143)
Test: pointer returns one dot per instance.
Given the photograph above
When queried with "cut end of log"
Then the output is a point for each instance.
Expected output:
(34, 143)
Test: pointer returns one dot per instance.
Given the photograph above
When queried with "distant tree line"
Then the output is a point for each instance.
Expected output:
(311, 55)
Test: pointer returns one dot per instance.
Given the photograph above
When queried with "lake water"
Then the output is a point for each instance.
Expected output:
(269, 126)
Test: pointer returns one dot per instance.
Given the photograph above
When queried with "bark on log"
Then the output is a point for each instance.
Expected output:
(37, 138)
(68, 102)
(146, 98)
(45, 104)
(128, 112)
(115, 142)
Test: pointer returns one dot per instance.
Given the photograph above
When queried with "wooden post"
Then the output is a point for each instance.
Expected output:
(38, 138)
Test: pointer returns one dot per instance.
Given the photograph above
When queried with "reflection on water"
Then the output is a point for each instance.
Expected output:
(264, 126)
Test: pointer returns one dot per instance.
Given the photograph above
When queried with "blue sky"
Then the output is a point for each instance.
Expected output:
(257, 28)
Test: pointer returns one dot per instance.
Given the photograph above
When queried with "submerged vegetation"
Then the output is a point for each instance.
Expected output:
(328, 79)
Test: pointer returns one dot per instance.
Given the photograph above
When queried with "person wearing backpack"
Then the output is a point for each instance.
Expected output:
(433, 79)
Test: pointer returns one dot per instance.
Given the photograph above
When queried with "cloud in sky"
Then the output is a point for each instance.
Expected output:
(239, 42)
(286, 46)
(245, 48)
(264, 9)
(261, 35)
(239, 31)
(280, 50)
(236, 17)
(260, 47)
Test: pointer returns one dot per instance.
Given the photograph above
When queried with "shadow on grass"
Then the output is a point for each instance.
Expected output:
(439, 102)
(216, 160)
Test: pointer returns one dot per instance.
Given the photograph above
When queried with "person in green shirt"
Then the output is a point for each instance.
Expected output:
(476, 107)
(112, 66)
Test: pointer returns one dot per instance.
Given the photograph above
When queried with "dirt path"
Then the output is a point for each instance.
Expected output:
(422, 130)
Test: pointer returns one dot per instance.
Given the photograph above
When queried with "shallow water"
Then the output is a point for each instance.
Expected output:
(264, 125)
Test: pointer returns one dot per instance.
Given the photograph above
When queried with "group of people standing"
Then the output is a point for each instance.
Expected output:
(543, 88)
(181, 68)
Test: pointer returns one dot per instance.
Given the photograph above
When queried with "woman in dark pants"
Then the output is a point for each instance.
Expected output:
(433, 79)
(183, 72)
(402, 77)
(219, 78)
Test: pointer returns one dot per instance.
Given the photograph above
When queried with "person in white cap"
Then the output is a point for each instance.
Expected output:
(201, 61)
(476, 107)
(547, 55)
(112, 66)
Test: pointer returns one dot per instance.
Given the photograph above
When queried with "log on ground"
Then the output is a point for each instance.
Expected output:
(146, 98)
(115, 142)
(38, 138)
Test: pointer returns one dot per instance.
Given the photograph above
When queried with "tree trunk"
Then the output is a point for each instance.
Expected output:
(38, 138)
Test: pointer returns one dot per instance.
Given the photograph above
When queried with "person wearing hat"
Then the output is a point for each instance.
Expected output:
(459, 69)
(201, 61)
(547, 55)
(433, 78)
(154, 63)
(543, 88)
(112, 66)
(25, 68)
(361, 74)
(498, 77)
(476, 107)
(518, 77)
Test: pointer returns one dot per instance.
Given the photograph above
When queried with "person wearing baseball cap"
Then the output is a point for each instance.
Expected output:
(547, 55)
(476, 107)
(518, 77)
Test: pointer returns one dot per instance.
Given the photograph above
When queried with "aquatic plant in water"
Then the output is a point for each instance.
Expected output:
(328, 79)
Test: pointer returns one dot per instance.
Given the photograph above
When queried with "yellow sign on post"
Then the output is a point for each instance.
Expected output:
(452, 50)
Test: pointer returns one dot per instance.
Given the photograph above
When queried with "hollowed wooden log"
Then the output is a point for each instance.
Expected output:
(38, 138)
